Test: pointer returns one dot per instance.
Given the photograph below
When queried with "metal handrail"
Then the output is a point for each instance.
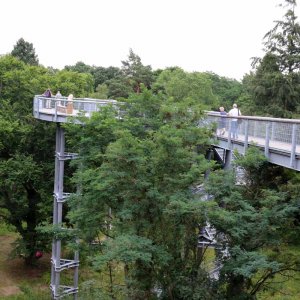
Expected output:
(256, 118)
(62, 107)
(270, 134)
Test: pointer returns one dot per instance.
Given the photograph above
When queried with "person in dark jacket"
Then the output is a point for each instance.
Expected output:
(48, 94)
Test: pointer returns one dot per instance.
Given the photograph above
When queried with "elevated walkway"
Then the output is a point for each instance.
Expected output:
(279, 139)
(61, 110)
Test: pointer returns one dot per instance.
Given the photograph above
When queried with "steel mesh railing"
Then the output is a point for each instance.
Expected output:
(63, 106)
(279, 133)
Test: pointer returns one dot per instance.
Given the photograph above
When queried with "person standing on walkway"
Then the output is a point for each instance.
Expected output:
(70, 104)
(48, 94)
(58, 97)
(234, 112)
(222, 121)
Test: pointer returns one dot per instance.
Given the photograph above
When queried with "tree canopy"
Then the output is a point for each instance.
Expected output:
(274, 86)
(24, 51)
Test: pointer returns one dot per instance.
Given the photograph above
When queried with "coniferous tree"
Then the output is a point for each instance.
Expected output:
(24, 51)
(136, 73)
(253, 221)
(275, 84)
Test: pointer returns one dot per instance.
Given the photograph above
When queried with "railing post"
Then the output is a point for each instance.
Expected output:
(293, 149)
(55, 111)
(229, 134)
(36, 106)
(267, 141)
(246, 135)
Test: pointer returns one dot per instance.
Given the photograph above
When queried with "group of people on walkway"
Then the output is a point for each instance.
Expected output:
(234, 112)
(58, 96)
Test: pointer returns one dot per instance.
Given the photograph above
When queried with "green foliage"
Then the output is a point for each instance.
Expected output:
(100, 75)
(5, 228)
(181, 86)
(284, 40)
(227, 91)
(101, 92)
(78, 84)
(118, 88)
(252, 218)
(136, 73)
(25, 52)
(136, 176)
(27, 148)
(274, 86)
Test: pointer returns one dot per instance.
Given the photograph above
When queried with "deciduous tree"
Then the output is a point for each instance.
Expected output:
(136, 176)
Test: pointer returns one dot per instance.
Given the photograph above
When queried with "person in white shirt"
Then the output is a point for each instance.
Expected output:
(234, 112)
(58, 97)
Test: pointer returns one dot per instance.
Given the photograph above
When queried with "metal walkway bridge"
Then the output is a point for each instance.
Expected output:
(279, 139)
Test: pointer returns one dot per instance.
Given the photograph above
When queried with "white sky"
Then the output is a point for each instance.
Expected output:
(219, 36)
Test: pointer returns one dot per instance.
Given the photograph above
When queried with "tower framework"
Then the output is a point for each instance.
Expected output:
(58, 110)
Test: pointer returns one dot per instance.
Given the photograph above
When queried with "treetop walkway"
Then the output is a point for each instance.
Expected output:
(61, 109)
(279, 139)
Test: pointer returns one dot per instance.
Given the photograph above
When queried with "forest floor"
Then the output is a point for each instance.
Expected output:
(15, 276)
(19, 282)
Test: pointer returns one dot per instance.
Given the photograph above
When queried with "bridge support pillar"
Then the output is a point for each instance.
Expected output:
(228, 159)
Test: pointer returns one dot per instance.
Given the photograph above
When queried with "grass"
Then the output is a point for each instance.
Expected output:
(284, 286)
(6, 229)
(19, 282)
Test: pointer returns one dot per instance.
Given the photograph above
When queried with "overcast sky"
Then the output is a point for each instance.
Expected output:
(219, 36)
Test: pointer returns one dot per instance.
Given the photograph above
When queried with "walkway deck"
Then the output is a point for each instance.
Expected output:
(279, 139)
(61, 110)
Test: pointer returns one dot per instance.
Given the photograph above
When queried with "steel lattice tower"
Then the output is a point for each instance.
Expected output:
(59, 264)
(52, 110)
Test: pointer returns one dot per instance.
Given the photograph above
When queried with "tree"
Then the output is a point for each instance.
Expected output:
(253, 220)
(227, 91)
(69, 82)
(26, 150)
(180, 85)
(283, 40)
(24, 51)
(79, 67)
(136, 73)
(118, 88)
(136, 177)
(25, 157)
(275, 85)
(102, 75)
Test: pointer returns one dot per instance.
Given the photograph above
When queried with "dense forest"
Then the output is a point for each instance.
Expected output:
(137, 215)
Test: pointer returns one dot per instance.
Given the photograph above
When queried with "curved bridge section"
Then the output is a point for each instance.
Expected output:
(61, 110)
(279, 139)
